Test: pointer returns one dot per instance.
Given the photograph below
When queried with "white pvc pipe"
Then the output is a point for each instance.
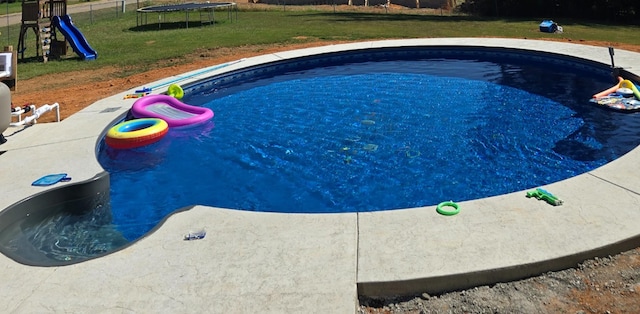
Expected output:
(36, 113)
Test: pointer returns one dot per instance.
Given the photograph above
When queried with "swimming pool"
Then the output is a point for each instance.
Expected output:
(373, 130)
(362, 131)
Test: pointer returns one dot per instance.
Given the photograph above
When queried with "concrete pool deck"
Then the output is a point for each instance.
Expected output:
(288, 263)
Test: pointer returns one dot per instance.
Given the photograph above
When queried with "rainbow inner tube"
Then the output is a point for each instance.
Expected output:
(136, 133)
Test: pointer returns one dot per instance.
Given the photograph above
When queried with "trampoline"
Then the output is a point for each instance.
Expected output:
(206, 7)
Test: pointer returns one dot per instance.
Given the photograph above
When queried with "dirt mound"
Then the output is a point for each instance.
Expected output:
(601, 285)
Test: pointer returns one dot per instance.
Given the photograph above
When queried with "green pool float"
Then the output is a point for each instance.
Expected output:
(175, 91)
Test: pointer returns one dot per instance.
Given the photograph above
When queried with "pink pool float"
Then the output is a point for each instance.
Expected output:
(171, 110)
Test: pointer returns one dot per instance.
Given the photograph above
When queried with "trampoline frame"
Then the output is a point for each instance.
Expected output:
(208, 7)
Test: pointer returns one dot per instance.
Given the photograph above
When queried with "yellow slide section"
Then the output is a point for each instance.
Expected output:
(628, 84)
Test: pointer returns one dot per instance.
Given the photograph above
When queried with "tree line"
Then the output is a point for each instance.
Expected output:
(613, 11)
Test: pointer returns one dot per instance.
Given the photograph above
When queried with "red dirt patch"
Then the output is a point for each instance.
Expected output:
(79, 89)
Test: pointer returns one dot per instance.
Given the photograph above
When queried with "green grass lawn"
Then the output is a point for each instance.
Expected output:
(124, 42)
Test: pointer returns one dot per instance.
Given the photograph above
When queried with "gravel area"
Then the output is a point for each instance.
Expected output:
(601, 285)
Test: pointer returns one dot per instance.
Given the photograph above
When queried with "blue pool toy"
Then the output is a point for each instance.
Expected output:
(143, 90)
(544, 195)
(548, 26)
(51, 179)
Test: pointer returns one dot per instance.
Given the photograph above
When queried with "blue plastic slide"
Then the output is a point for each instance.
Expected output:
(74, 37)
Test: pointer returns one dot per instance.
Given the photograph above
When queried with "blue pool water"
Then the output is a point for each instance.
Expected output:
(371, 136)
(356, 132)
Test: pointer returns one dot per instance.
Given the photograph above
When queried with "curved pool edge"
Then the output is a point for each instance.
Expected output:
(295, 262)
(435, 285)
(76, 199)
(503, 238)
(73, 198)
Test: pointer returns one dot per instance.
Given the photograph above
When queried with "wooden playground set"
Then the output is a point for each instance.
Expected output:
(53, 29)
(37, 16)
